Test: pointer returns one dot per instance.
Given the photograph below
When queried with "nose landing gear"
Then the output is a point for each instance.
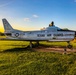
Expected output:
(69, 46)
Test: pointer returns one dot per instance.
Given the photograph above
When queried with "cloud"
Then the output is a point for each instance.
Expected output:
(30, 19)
(74, 0)
(27, 19)
(5, 4)
(35, 16)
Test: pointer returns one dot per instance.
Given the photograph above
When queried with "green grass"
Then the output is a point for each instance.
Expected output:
(37, 63)
(15, 59)
(4, 45)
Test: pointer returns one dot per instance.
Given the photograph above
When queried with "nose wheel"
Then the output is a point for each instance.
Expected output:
(69, 46)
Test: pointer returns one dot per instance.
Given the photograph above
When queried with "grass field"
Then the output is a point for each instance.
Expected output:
(15, 59)
(4, 45)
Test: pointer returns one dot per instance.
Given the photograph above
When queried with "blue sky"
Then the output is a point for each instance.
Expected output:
(36, 14)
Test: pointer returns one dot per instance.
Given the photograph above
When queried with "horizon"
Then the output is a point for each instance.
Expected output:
(35, 14)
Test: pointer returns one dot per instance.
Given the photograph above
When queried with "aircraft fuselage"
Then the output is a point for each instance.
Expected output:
(42, 35)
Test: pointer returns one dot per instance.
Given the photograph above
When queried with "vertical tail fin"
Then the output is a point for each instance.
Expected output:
(7, 26)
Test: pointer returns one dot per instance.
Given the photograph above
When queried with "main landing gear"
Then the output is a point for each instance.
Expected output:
(31, 45)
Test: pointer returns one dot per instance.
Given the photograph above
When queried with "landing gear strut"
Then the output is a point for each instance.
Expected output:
(37, 43)
(30, 44)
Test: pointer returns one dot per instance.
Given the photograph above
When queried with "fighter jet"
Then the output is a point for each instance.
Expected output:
(50, 33)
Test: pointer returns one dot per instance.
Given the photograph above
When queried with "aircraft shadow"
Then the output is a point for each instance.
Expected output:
(19, 50)
(28, 48)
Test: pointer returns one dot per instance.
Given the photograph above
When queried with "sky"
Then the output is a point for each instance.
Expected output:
(35, 14)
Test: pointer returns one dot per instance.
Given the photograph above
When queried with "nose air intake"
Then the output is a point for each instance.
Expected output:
(75, 34)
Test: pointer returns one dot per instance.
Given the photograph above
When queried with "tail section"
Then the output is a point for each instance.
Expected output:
(7, 26)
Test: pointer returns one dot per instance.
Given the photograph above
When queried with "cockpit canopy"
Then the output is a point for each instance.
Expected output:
(52, 27)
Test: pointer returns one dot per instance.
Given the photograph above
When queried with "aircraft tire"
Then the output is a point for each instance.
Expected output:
(70, 46)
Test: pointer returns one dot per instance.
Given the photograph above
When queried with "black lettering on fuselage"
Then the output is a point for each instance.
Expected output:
(40, 35)
(58, 34)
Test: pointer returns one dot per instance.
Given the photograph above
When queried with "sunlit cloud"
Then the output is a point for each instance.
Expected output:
(27, 19)
(35, 16)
